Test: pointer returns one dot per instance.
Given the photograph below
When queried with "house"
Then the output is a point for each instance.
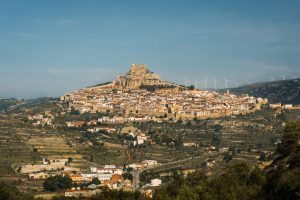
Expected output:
(92, 122)
(78, 193)
(190, 144)
(38, 175)
(89, 176)
(275, 105)
(69, 168)
(288, 105)
(113, 182)
(187, 171)
(156, 182)
(92, 186)
(141, 138)
(77, 178)
(47, 165)
(148, 193)
(127, 186)
(103, 177)
(210, 162)
(135, 166)
(110, 166)
(75, 124)
(147, 163)
(116, 177)
(165, 174)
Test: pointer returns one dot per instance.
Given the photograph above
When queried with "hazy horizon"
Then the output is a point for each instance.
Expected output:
(52, 47)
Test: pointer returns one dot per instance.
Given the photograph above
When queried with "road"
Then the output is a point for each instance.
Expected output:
(136, 174)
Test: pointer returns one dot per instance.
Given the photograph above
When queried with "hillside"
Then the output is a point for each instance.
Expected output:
(9, 105)
(287, 91)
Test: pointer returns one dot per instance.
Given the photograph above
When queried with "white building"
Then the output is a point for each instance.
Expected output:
(81, 193)
(135, 166)
(103, 177)
(39, 175)
(146, 163)
(156, 182)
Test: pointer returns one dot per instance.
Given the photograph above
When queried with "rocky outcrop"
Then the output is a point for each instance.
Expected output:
(138, 75)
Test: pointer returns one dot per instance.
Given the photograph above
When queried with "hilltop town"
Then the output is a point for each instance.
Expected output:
(129, 94)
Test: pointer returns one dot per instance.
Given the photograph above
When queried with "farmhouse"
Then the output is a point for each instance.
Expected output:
(39, 175)
(81, 193)
(146, 163)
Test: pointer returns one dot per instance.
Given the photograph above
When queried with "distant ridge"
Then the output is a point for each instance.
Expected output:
(284, 91)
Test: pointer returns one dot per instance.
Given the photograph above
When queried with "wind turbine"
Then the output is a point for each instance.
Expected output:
(272, 78)
(196, 83)
(226, 83)
(215, 83)
(237, 83)
(294, 76)
(186, 83)
(205, 83)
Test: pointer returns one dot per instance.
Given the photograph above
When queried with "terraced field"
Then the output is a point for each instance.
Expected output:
(13, 150)
(108, 153)
(57, 147)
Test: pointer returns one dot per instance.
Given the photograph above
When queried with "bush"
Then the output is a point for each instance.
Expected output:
(57, 183)
(11, 193)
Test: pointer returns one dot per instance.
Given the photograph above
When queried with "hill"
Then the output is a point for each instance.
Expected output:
(286, 91)
(15, 105)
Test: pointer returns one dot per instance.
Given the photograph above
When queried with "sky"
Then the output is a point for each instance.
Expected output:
(51, 47)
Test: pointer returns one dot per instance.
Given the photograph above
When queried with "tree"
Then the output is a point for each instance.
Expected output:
(11, 193)
(96, 181)
(161, 194)
(187, 193)
(70, 159)
(128, 176)
(91, 158)
(191, 87)
(283, 178)
(57, 183)
(74, 112)
(179, 121)
(189, 123)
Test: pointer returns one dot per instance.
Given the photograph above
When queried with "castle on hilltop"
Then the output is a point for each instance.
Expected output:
(138, 75)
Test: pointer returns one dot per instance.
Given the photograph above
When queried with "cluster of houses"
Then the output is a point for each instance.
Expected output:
(180, 104)
(111, 120)
(143, 164)
(45, 165)
(285, 106)
(41, 120)
(137, 118)
(101, 129)
(108, 175)
(139, 138)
